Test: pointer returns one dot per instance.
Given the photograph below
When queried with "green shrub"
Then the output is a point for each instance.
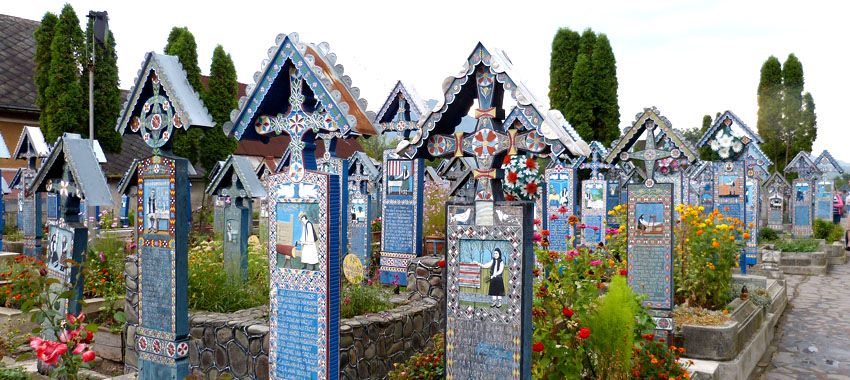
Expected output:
(821, 228)
(12, 233)
(767, 234)
(612, 325)
(362, 299)
(209, 288)
(798, 245)
(13, 373)
(837, 234)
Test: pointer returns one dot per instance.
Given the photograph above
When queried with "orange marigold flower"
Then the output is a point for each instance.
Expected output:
(715, 244)
(572, 219)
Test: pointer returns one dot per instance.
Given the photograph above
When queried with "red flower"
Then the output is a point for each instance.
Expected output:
(537, 222)
(562, 209)
(509, 197)
(584, 333)
(47, 351)
(441, 263)
(567, 312)
(531, 188)
(537, 347)
(530, 163)
(507, 160)
(537, 237)
(88, 356)
(553, 217)
(623, 272)
(512, 177)
(544, 232)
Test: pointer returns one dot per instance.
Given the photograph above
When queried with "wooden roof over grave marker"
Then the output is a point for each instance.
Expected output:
(402, 110)
(243, 170)
(650, 153)
(779, 182)
(370, 167)
(827, 164)
(78, 155)
(32, 142)
(161, 83)
(537, 128)
(323, 78)
(803, 165)
(735, 121)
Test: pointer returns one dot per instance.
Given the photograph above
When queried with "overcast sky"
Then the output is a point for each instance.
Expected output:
(688, 58)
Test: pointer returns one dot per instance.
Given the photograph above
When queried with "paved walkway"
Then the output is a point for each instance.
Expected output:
(813, 337)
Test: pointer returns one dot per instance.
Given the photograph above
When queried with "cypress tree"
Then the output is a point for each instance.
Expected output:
(792, 107)
(107, 96)
(770, 111)
(64, 111)
(587, 42)
(606, 108)
(43, 39)
(561, 66)
(220, 99)
(181, 43)
(809, 123)
(580, 107)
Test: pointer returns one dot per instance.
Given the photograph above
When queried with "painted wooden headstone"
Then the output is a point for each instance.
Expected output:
(824, 191)
(161, 102)
(124, 211)
(802, 198)
(72, 173)
(650, 214)
(778, 190)
(31, 147)
(594, 194)
(301, 91)
(363, 172)
(458, 172)
(401, 210)
(488, 319)
(757, 165)
(560, 203)
(236, 182)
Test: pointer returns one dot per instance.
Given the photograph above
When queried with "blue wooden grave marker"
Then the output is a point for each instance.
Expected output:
(488, 305)
(363, 176)
(160, 102)
(594, 196)
(778, 192)
(401, 238)
(31, 146)
(824, 188)
(72, 173)
(301, 92)
(802, 198)
(650, 213)
(236, 182)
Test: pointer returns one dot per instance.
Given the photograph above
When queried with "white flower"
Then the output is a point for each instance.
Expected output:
(723, 152)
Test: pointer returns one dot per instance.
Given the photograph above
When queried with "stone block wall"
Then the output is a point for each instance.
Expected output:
(238, 343)
(131, 310)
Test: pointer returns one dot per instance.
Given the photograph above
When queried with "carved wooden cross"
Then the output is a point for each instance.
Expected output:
(236, 191)
(595, 164)
(329, 141)
(68, 192)
(297, 122)
(650, 154)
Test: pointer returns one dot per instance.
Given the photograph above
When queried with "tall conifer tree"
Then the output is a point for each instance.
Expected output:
(561, 66)
(792, 107)
(770, 110)
(606, 109)
(809, 122)
(181, 43)
(587, 42)
(43, 39)
(220, 99)
(580, 107)
(64, 110)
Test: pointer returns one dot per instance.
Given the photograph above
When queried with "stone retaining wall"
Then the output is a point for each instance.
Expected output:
(238, 343)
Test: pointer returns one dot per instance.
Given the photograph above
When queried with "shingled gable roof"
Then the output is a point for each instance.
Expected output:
(827, 164)
(17, 64)
(736, 121)
(369, 165)
(327, 80)
(185, 100)
(802, 163)
(31, 138)
(778, 180)
(459, 95)
(417, 108)
(244, 171)
(79, 156)
(635, 131)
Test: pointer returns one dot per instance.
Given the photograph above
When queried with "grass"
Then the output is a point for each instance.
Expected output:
(209, 288)
(798, 245)
(364, 299)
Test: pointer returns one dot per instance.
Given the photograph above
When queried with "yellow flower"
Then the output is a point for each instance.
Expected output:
(731, 238)
(618, 207)
(611, 213)
(701, 208)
